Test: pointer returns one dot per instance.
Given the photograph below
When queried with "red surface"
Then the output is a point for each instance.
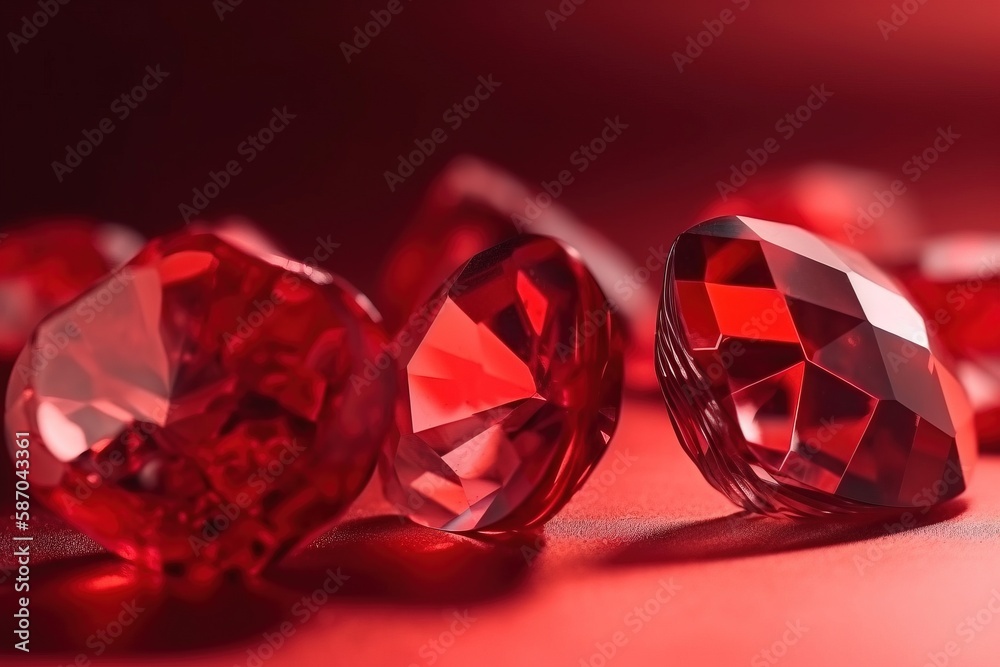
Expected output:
(868, 594)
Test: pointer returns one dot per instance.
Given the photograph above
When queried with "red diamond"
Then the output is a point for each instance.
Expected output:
(957, 283)
(473, 206)
(801, 380)
(511, 380)
(202, 409)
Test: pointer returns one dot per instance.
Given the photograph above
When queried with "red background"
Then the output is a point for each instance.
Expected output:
(742, 578)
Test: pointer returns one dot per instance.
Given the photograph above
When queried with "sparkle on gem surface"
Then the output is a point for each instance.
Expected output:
(799, 378)
(203, 409)
(511, 385)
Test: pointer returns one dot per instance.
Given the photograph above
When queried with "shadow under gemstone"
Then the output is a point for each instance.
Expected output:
(744, 534)
(390, 559)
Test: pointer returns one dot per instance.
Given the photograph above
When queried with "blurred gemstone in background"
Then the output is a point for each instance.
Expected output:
(852, 206)
(474, 205)
(955, 279)
(241, 233)
(46, 264)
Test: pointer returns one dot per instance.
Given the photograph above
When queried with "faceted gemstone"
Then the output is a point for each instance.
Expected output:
(474, 205)
(203, 409)
(44, 265)
(956, 280)
(49, 263)
(510, 386)
(801, 380)
(848, 205)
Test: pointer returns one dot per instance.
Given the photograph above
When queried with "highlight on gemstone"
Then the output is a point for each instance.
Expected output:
(956, 281)
(510, 387)
(203, 409)
(473, 205)
(43, 265)
(801, 380)
(47, 263)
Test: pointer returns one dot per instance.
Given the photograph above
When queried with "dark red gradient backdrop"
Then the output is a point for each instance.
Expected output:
(748, 587)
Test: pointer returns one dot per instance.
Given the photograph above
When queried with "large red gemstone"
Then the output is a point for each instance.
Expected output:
(474, 205)
(800, 379)
(956, 280)
(203, 409)
(511, 381)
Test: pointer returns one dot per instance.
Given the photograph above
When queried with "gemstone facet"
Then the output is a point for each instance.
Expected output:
(799, 378)
(202, 409)
(956, 280)
(474, 205)
(510, 386)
